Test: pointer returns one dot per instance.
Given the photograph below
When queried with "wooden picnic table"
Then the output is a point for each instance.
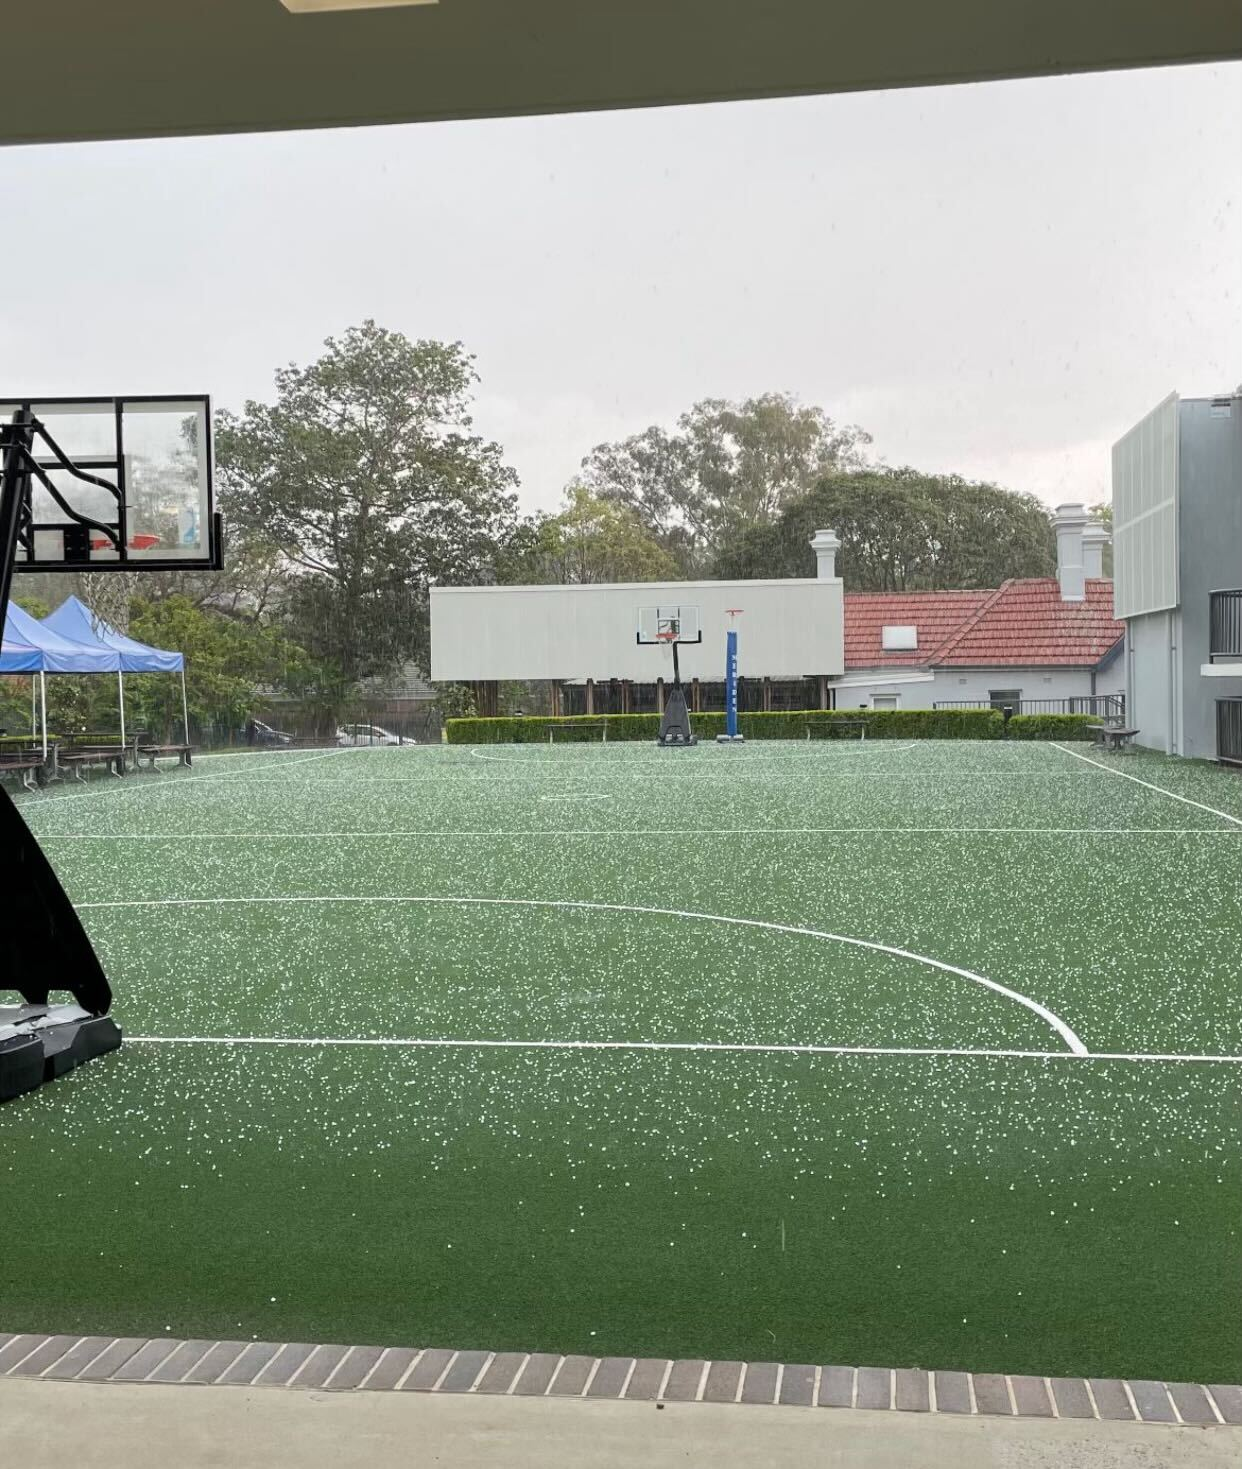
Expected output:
(830, 724)
(592, 724)
(112, 757)
(154, 752)
(28, 766)
(1114, 737)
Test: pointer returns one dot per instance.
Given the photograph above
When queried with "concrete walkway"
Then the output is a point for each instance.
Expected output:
(139, 1426)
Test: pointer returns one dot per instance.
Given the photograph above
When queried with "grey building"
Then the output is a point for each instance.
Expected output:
(1177, 572)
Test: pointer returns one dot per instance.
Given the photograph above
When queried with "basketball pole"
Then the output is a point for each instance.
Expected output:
(731, 736)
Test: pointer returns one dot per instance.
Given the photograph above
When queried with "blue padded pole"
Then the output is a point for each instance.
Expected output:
(731, 683)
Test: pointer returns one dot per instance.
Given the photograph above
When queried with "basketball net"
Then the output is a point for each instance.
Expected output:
(108, 595)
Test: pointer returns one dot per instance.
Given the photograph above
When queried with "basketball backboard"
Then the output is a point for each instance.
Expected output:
(142, 497)
(667, 624)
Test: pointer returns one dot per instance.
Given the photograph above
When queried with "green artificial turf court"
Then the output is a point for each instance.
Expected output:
(888, 1052)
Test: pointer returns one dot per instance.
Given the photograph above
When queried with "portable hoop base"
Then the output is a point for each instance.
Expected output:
(675, 730)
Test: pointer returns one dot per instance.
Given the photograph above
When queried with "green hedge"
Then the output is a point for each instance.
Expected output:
(1051, 726)
(882, 724)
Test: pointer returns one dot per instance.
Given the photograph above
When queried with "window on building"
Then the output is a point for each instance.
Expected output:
(895, 639)
(886, 701)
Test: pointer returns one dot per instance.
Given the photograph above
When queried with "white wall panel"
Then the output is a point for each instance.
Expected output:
(1145, 514)
(788, 629)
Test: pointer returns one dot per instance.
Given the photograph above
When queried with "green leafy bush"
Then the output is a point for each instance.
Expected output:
(882, 724)
(1051, 726)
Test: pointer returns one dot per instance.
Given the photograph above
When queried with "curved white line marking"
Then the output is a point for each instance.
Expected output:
(1046, 1015)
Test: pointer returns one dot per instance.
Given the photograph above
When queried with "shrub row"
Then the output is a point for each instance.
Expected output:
(882, 724)
(1051, 726)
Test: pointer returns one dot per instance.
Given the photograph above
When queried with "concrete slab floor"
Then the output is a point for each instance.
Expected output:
(137, 1426)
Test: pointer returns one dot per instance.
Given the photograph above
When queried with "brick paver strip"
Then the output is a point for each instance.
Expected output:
(952, 1392)
(836, 1387)
(1228, 1400)
(759, 1384)
(186, 1355)
(43, 1357)
(572, 1377)
(1031, 1396)
(1192, 1403)
(319, 1366)
(251, 1362)
(610, 1379)
(1152, 1402)
(499, 1376)
(462, 1374)
(1110, 1398)
(683, 1381)
(284, 1364)
(359, 1362)
(19, 1347)
(73, 1362)
(214, 1362)
(144, 1361)
(430, 1368)
(912, 1394)
(300, 1364)
(536, 1375)
(874, 1387)
(112, 1358)
(393, 1366)
(798, 1385)
(646, 1378)
(722, 1382)
(1071, 1397)
(991, 1393)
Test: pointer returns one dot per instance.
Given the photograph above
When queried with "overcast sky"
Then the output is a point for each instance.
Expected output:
(996, 279)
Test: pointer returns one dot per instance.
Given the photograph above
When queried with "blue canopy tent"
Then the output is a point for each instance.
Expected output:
(31, 647)
(74, 621)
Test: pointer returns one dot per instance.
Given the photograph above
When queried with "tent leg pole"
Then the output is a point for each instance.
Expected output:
(34, 708)
(185, 708)
(120, 690)
(43, 704)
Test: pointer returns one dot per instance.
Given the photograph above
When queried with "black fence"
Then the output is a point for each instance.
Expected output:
(1226, 625)
(1229, 731)
(384, 722)
(1109, 707)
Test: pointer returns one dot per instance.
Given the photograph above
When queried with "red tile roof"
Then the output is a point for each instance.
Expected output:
(937, 615)
(1020, 624)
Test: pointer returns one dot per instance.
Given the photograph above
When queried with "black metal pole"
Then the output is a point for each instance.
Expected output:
(17, 442)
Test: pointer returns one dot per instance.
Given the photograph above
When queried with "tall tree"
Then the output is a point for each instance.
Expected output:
(366, 476)
(591, 540)
(902, 530)
(727, 469)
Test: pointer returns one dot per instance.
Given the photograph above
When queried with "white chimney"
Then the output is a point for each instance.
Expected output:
(825, 545)
(1070, 521)
(1094, 539)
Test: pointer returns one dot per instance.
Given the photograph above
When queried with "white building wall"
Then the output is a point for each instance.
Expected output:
(949, 685)
(787, 629)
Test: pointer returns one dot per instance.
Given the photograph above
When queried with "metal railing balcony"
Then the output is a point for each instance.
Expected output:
(1225, 616)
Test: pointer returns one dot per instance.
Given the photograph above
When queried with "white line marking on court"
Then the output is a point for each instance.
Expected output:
(858, 747)
(1046, 1015)
(740, 1047)
(603, 833)
(152, 783)
(1160, 790)
(582, 796)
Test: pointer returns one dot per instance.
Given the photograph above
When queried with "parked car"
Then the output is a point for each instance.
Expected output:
(368, 734)
(258, 733)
